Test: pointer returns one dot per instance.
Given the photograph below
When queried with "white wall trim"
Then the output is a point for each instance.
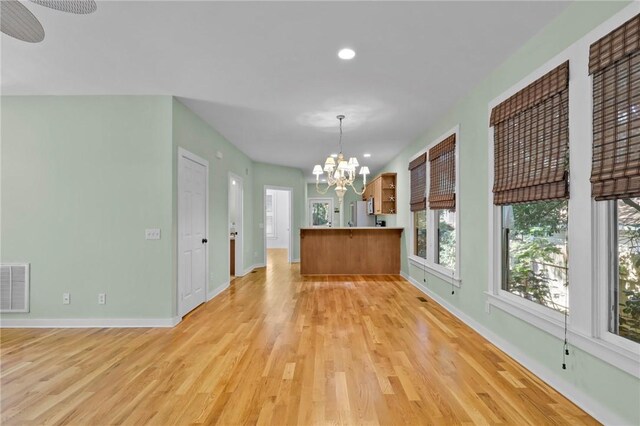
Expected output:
(216, 291)
(252, 267)
(434, 269)
(90, 322)
(575, 395)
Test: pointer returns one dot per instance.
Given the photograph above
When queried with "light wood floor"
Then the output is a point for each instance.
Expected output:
(279, 349)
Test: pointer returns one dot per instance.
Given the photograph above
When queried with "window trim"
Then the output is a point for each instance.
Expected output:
(429, 265)
(587, 321)
(604, 253)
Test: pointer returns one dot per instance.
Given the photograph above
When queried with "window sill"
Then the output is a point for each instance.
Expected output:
(552, 322)
(446, 275)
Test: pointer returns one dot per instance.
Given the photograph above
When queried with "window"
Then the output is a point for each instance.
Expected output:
(625, 293)
(570, 265)
(446, 241)
(614, 63)
(535, 252)
(442, 199)
(269, 209)
(418, 202)
(531, 164)
(433, 215)
(420, 233)
(320, 212)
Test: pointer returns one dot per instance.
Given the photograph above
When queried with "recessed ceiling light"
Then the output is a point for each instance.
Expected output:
(366, 155)
(334, 155)
(346, 54)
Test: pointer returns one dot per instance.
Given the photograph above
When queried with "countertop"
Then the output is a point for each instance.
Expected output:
(353, 228)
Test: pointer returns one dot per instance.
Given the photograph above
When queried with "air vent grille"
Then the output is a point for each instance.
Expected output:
(14, 287)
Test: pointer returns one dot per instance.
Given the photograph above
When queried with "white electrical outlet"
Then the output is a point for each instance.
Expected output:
(152, 234)
(102, 298)
(66, 298)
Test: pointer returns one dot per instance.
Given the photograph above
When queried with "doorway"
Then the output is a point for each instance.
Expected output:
(277, 223)
(193, 213)
(236, 190)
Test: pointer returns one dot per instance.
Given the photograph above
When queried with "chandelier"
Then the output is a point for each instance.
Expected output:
(340, 172)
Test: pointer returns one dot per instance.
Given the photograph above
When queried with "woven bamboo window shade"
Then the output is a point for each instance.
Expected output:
(418, 168)
(442, 175)
(531, 141)
(614, 62)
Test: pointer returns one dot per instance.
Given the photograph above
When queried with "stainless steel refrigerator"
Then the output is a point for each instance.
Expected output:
(359, 216)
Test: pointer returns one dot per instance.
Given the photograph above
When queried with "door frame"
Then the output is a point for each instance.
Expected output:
(183, 155)
(240, 211)
(264, 219)
(331, 213)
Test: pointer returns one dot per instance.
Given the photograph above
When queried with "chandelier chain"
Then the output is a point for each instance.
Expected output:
(340, 117)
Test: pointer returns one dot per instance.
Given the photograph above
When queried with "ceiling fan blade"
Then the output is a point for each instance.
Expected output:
(79, 7)
(18, 22)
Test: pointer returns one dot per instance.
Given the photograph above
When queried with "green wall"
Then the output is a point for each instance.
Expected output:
(82, 177)
(195, 135)
(613, 388)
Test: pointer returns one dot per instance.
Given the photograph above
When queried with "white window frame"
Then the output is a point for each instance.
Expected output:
(429, 264)
(588, 298)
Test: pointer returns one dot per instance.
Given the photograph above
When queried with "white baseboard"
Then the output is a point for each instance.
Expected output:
(216, 291)
(252, 267)
(89, 322)
(588, 404)
(295, 260)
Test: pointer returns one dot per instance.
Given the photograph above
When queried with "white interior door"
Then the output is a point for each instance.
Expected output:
(192, 229)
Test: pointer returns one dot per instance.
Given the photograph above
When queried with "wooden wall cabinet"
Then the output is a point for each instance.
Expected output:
(383, 191)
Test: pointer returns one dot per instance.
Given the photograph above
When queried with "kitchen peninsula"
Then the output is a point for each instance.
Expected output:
(350, 251)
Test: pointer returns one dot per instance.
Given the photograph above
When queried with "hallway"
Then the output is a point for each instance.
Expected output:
(278, 348)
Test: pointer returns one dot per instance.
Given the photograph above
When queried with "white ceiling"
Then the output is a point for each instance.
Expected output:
(266, 74)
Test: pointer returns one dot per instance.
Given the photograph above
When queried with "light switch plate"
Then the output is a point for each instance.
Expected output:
(66, 298)
(152, 234)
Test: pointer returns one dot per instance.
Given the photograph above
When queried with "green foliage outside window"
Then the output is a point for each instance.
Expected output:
(628, 224)
(446, 239)
(537, 252)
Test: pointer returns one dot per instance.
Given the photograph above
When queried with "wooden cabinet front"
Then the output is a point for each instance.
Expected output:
(383, 191)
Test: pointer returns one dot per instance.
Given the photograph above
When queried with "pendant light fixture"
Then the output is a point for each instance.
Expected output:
(340, 173)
